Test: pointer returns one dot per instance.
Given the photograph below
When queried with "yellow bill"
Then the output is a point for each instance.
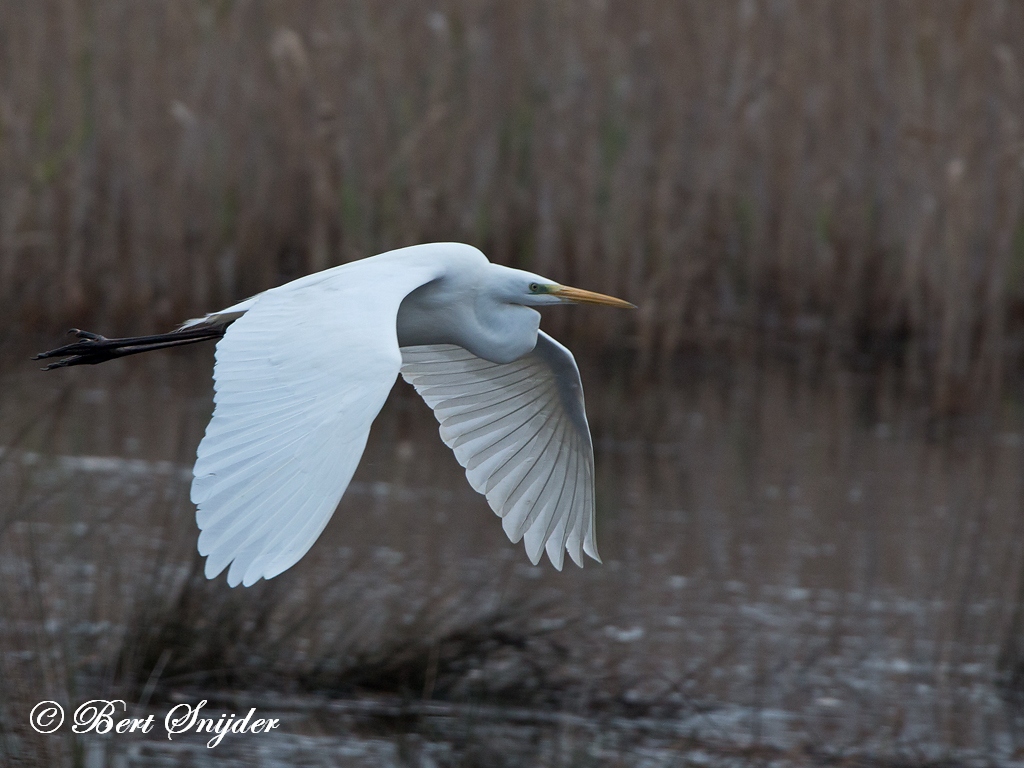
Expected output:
(579, 296)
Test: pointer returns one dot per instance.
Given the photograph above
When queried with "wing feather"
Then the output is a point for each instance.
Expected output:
(520, 430)
(543, 512)
(299, 379)
(504, 480)
(536, 471)
(541, 517)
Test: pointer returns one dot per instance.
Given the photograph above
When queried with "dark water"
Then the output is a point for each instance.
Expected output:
(793, 566)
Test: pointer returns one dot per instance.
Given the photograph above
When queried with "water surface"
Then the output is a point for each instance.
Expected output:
(791, 563)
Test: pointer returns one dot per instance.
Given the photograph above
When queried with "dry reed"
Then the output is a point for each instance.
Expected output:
(848, 175)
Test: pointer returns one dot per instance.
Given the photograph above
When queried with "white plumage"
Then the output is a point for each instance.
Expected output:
(303, 369)
(520, 430)
(299, 379)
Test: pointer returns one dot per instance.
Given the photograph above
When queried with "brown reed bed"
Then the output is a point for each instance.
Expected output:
(847, 176)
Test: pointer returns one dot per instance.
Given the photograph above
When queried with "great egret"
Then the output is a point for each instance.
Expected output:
(303, 369)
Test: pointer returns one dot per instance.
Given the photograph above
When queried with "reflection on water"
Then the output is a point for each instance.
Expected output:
(788, 564)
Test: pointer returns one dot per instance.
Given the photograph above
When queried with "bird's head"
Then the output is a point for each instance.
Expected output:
(536, 291)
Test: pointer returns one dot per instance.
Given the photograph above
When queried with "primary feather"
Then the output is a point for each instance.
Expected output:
(520, 430)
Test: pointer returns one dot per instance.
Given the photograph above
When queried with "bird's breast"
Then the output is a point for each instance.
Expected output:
(496, 331)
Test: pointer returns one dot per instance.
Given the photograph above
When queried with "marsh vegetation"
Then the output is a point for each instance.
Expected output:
(846, 177)
(800, 571)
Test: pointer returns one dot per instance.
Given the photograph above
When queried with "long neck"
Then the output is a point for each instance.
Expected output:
(445, 313)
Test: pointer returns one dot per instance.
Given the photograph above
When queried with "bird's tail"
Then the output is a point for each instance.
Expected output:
(93, 348)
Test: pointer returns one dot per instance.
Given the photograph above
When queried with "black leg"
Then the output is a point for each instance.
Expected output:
(93, 348)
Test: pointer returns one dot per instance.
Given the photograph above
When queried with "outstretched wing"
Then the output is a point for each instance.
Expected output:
(299, 378)
(520, 430)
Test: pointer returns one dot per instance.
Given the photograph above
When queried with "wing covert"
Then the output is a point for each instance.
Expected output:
(520, 430)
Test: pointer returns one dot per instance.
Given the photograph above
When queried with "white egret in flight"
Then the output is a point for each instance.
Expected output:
(303, 369)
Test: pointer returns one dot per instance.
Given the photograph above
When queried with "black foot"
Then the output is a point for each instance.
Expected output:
(93, 348)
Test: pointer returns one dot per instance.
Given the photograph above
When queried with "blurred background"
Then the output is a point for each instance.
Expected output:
(809, 437)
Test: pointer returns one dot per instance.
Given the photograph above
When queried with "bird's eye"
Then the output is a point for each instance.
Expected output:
(534, 288)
